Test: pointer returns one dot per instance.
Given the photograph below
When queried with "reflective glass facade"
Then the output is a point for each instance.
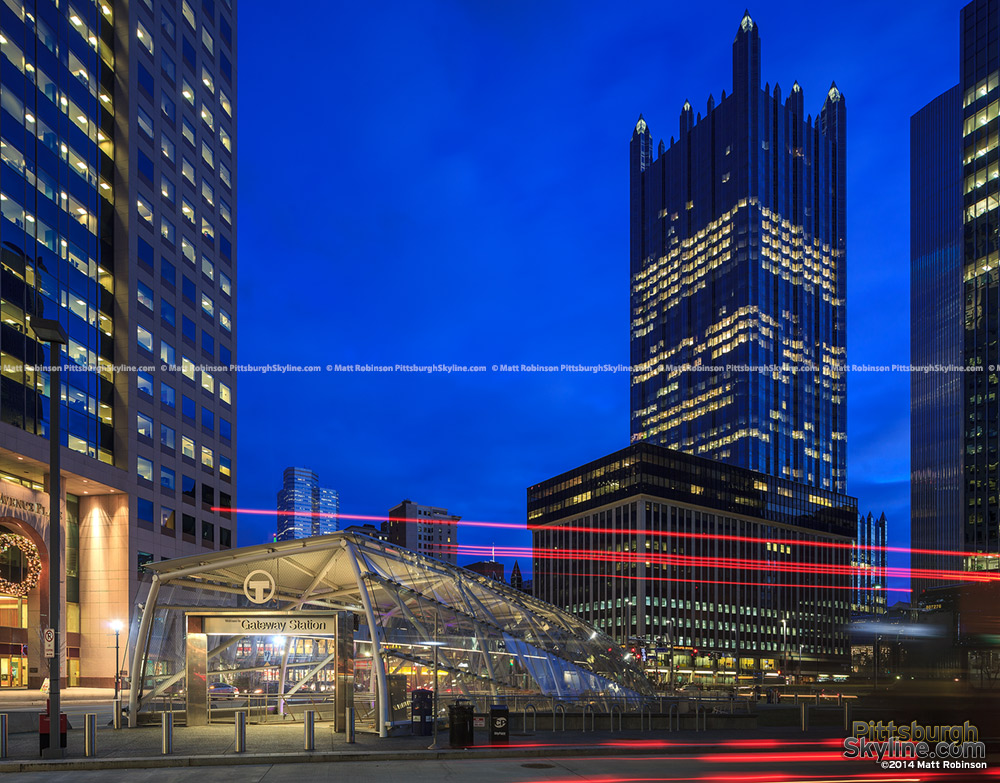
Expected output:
(936, 315)
(738, 268)
(304, 507)
(979, 83)
(654, 544)
(955, 261)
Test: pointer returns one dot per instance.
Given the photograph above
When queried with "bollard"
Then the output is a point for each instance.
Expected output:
(167, 727)
(840, 700)
(241, 731)
(805, 716)
(349, 729)
(3, 736)
(847, 716)
(90, 734)
(309, 724)
(116, 713)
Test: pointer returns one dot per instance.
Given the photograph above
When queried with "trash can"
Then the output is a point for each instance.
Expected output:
(499, 724)
(43, 731)
(460, 726)
(422, 712)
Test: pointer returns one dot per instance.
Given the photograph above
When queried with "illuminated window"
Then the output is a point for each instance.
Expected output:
(144, 468)
(207, 382)
(207, 155)
(225, 175)
(167, 230)
(225, 393)
(225, 321)
(167, 518)
(167, 189)
(187, 131)
(225, 467)
(207, 229)
(145, 383)
(227, 142)
(227, 107)
(207, 267)
(187, 91)
(144, 426)
(206, 39)
(144, 121)
(207, 457)
(206, 79)
(207, 305)
(208, 117)
(225, 212)
(144, 37)
(207, 192)
(187, 210)
(145, 211)
(188, 13)
(187, 248)
(145, 338)
(145, 295)
(187, 446)
(167, 353)
(187, 368)
(167, 148)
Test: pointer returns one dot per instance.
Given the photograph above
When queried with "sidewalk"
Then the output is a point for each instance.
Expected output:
(21, 698)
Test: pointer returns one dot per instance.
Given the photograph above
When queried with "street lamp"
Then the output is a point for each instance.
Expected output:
(50, 331)
(116, 626)
(784, 643)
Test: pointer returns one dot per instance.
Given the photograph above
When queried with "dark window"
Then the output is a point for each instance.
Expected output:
(225, 356)
(145, 510)
(226, 30)
(168, 25)
(207, 419)
(189, 289)
(209, 6)
(225, 537)
(169, 69)
(188, 51)
(225, 429)
(226, 247)
(207, 343)
(168, 396)
(227, 67)
(144, 251)
(208, 532)
(226, 502)
(187, 487)
(188, 525)
(146, 80)
(167, 107)
(146, 170)
(168, 272)
(187, 407)
(207, 495)
(168, 313)
(188, 328)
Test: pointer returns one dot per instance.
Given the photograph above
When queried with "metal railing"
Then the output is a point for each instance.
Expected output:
(611, 717)
(534, 718)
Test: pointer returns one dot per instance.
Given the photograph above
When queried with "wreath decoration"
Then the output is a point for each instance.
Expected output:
(30, 552)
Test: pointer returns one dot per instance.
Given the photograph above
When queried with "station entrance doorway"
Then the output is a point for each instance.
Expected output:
(264, 660)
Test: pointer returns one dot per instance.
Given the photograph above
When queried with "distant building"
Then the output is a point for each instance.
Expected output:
(489, 568)
(868, 567)
(429, 530)
(516, 580)
(304, 507)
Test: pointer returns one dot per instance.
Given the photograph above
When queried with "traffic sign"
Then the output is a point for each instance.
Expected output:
(49, 643)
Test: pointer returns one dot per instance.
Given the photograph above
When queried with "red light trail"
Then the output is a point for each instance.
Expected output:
(607, 531)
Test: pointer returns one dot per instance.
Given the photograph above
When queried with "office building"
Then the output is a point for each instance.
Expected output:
(118, 219)
(304, 507)
(738, 237)
(868, 575)
(428, 530)
(488, 568)
(731, 569)
(955, 258)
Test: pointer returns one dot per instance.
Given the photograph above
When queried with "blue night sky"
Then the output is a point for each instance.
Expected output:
(448, 183)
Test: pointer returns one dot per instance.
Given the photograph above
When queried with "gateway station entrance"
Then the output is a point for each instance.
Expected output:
(344, 620)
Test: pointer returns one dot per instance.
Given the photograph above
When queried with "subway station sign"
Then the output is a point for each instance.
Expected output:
(273, 623)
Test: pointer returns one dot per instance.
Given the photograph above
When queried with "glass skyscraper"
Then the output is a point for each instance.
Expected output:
(118, 204)
(304, 507)
(955, 262)
(738, 280)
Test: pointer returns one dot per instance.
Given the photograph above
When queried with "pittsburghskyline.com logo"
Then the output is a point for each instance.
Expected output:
(916, 746)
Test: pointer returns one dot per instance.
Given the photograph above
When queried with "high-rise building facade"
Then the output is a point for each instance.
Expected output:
(955, 265)
(734, 570)
(868, 575)
(304, 507)
(429, 530)
(118, 202)
(936, 337)
(738, 238)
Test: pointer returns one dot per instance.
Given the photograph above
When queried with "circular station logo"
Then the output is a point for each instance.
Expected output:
(259, 587)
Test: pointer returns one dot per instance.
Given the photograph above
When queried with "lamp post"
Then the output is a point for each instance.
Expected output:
(116, 626)
(434, 717)
(50, 331)
(784, 644)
